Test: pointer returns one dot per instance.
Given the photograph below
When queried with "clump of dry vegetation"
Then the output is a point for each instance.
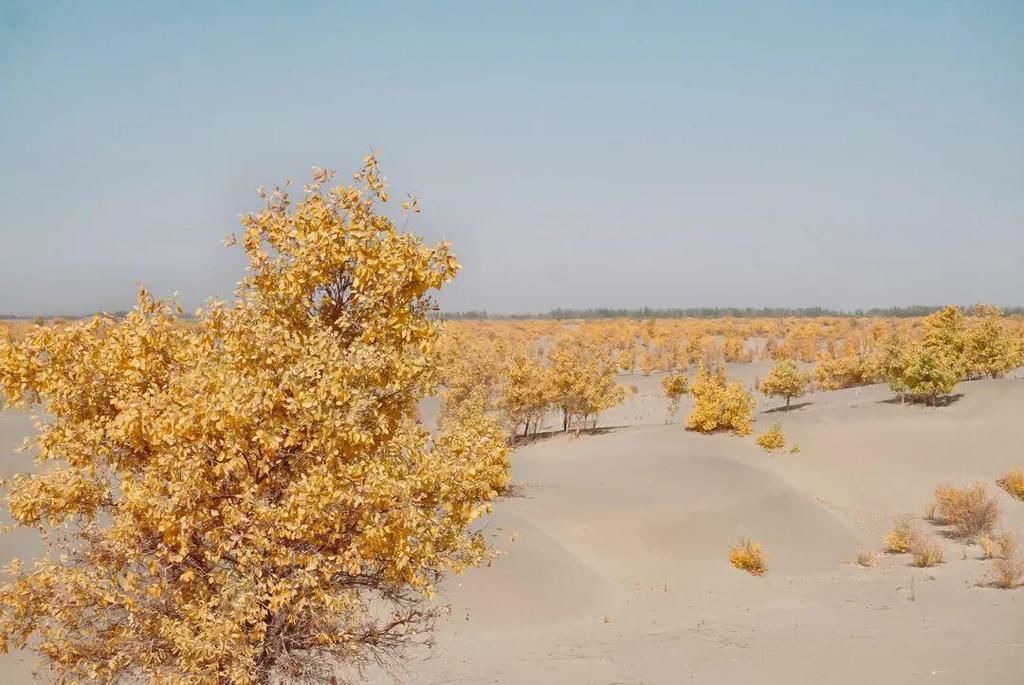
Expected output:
(1007, 569)
(903, 535)
(926, 551)
(1013, 483)
(748, 556)
(971, 510)
(866, 558)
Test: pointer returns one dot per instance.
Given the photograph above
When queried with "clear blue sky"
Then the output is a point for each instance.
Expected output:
(652, 153)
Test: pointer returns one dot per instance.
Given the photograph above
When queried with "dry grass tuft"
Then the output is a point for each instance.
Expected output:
(989, 547)
(866, 558)
(971, 510)
(1013, 483)
(903, 535)
(1007, 570)
(926, 551)
(748, 556)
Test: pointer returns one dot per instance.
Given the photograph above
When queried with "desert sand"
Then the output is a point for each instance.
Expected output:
(613, 556)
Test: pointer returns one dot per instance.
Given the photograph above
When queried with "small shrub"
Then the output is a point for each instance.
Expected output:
(989, 547)
(866, 558)
(1013, 483)
(971, 510)
(795, 449)
(772, 440)
(1007, 570)
(748, 556)
(903, 535)
(926, 551)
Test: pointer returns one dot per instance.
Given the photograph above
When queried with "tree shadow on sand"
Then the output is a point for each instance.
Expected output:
(783, 409)
(520, 440)
(938, 402)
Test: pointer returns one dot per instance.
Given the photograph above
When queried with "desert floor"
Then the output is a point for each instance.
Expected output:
(613, 564)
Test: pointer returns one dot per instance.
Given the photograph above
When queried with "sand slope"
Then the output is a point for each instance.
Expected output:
(618, 571)
(613, 565)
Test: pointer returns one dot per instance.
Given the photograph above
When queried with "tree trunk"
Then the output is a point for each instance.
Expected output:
(788, 398)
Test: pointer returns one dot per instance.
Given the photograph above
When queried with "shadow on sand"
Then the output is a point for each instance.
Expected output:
(938, 402)
(784, 408)
(520, 440)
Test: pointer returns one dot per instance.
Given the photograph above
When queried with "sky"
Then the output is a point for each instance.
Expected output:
(590, 154)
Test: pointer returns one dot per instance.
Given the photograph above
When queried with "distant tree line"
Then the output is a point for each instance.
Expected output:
(711, 313)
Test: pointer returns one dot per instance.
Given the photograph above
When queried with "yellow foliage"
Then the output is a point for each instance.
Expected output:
(582, 379)
(748, 556)
(1013, 483)
(527, 393)
(903, 536)
(785, 380)
(720, 405)
(675, 386)
(242, 490)
(971, 510)
(849, 371)
(772, 440)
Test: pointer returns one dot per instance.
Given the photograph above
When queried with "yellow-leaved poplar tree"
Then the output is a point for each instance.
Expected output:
(991, 349)
(785, 380)
(582, 380)
(526, 394)
(675, 385)
(719, 404)
(250, 496)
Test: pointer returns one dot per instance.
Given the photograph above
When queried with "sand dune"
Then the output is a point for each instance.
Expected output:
(613, 561)
(624, 537)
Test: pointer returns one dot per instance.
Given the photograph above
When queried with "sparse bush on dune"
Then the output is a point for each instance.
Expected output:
(748, 556)
(971, 510)
(926, 551)
(1013, 483)
(1006, 569)
(1007, 573)
(675, 386)
(772, 440)
(903, 535)
(866, 558)
(989, 547)
(1002, 545)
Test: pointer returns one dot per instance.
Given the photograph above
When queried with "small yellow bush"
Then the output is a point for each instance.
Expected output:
(748, 556)
(719, 405)
(903, 535)
(1013, 483)
(926, 551)
(772, 440)
(971, 510)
